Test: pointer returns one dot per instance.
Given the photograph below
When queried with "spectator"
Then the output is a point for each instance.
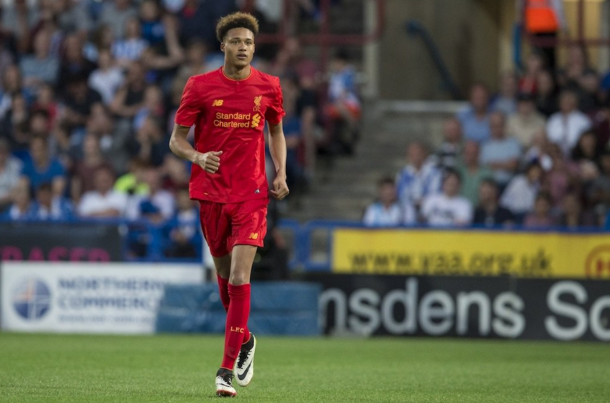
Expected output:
(521, 192)
(471, 172)
(157, 206)
(500, 153)
(576, 66)
(489, 213)
(132, 46)
(21, 207)
(586, 155)
(562, 177)
(419, 178)
(39, 123)
(149, 144)
(73, 17)
(573, 215)
(108, 78)
(450, 149)
(11, 87)
(344, 107)
(506, 100)
(447, 208)
(197, 19)
(524, 124)
(590, 96)
(73, 63)
(565, 127)
(84, 170)
(163, 59)
(102, 202)
(10, 169)
(598, 194)
(40, 167)
(19, 17)
(195, 63)
(546, 95)
(153, 106)
(543, 20)
(130, 98)
(184, 236)
(541, 217)
(46, 102)
(115, 14)
(294, 137)
(153, 30)
(528, 83)
(601, 123)
(40, 67)
(538, 152)
(475, 118)
(386, 211)
(49, 206)
(133, 182)
(177, 173)
(15, 124)
(79, 102)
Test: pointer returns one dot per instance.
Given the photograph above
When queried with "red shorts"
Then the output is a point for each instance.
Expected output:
(228, 224)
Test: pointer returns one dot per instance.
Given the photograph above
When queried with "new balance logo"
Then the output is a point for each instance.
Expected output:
(253, 235)
(217, 102)
(237, 329)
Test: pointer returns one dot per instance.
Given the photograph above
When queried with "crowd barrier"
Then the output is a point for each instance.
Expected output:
(276, 308)
(339, 247)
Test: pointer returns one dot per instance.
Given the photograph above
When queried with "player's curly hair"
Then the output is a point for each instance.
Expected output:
(236, 20)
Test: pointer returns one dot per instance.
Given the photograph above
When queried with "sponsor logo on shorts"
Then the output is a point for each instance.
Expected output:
(253, 235)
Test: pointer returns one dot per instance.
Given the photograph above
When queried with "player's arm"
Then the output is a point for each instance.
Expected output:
(210, 161)
(277, 147)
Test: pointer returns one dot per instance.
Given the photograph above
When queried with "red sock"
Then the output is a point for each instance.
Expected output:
(237, 321)
(223, 289)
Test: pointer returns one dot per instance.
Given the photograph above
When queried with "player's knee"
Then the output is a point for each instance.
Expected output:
(239, 278)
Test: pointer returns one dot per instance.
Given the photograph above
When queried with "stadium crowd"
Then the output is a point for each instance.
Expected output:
(536, 154)
(88, 93)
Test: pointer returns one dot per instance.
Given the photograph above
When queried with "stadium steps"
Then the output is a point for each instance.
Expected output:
(344, 191)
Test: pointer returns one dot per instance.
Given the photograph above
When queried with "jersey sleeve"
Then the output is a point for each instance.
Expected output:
(275, 111)
(190, 105)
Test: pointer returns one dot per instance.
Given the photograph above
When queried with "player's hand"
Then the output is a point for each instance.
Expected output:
(210, 161)
(280, 188)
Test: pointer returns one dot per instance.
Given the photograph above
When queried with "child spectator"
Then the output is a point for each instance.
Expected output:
(521, 192)
(489, 213)
(447, 208)
(386, 211)
(541, 217)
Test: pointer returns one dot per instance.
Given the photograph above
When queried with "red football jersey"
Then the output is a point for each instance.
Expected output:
(229, 116)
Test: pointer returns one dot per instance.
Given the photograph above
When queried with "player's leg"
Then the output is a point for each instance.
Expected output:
(239, 308)
(249, 229)
(216, 229)
(223, 270)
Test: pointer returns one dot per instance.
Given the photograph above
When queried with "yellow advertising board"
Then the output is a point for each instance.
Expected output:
(471, 253)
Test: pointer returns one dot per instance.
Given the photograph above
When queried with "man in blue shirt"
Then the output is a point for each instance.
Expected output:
(40, 167)
(475, 117)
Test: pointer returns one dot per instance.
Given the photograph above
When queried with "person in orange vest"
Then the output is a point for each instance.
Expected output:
(543, 19)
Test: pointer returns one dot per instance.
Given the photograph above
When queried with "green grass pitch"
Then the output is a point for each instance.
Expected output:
(168, 368)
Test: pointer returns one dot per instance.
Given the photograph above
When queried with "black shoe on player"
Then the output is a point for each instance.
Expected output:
(244, 366)
(224, 383)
